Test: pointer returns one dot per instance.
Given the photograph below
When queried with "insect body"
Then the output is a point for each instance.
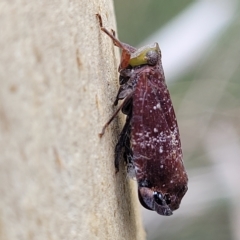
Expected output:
(150, 138)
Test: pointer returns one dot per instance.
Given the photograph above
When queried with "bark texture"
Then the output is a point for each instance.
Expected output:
(58, 80)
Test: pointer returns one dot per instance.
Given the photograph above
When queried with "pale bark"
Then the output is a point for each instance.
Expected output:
(58, 80)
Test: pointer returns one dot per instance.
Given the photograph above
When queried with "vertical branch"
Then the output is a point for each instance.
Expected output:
(57, 83)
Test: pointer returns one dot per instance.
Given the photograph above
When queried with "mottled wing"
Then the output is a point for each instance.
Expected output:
(155, 139)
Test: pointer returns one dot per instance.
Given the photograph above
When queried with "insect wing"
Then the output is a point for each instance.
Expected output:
(155, 140)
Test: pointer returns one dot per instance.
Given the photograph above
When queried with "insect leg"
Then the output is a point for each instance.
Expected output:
(116, 42)
(115, 114)
(126, 85)
(126, 49)
(123, 142)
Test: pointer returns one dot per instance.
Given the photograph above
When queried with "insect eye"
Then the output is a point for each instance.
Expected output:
(158, 197)
(162, 199)
(152, 57)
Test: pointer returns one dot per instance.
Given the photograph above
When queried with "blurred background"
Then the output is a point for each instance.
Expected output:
(200, 43)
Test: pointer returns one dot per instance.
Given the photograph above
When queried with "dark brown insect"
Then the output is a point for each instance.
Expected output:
(150, 138)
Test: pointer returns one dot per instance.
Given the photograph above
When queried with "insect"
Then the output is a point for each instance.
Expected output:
(150, 140)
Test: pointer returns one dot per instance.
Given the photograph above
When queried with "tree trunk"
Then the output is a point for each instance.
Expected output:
(58, 80)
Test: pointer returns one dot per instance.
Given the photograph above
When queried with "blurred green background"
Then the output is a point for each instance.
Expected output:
(137, 19)
(205, 93)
